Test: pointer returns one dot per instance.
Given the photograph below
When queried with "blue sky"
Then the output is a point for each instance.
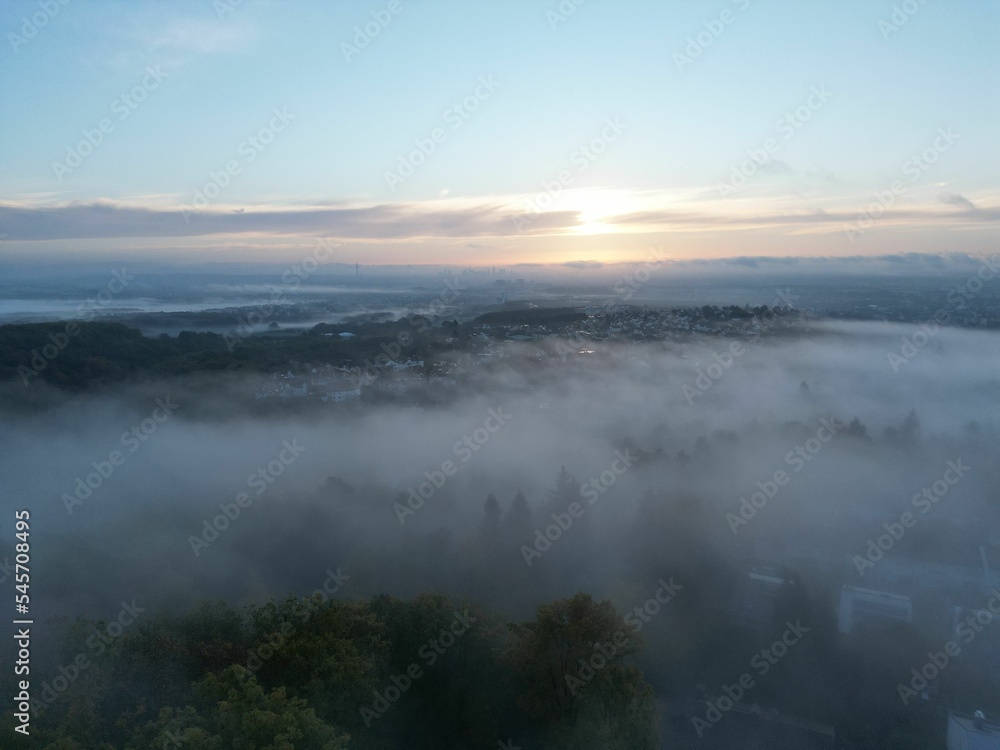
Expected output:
(554, 80)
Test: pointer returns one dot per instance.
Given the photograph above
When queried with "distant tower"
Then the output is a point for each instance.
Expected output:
(357, 270)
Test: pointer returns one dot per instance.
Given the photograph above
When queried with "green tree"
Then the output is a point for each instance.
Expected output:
(234, 711)
(572, 661)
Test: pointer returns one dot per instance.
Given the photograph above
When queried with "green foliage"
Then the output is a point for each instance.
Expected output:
(544, 316)
(294, 675)
(234, 711)
(330, 652)
(76, 355)
(572, 660)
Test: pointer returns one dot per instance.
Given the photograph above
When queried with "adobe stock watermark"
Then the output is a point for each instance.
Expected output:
(455, 116)
(697, 44)
(123, 106)
(915, 167)
(86, 311)
(796, 459)
(786, 126)
(259, 481)
(936, 662)
(429, 653)
(290, 282)
(464, 449)
(900, 16)
(956, 299)
(592, 491)
(923, 501)
(31, 26)
(363, 35)
(224, 8)
(581, 159)
(562, 12)
(249, 148)
(762, 662)
(132, 439)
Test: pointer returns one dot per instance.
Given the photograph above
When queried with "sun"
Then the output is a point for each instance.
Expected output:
(597, 206)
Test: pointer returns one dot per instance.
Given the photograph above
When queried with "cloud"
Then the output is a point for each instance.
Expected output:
(894, 264)
(202, 37)
(202, 455)
(954, 199)
(834, 220)
(109, 219)
(174, 43)
(776, 167)
(455, 219)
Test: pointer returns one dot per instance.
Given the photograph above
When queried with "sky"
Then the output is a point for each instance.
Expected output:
(497, 132)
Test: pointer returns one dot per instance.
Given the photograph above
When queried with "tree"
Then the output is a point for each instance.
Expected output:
(490, 530)
(235, 711)
(517, 521)
(856, 429)
(566, 491)
(572, 661)
(910, 429)
(327, 652)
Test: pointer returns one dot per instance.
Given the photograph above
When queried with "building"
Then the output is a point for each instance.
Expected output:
(865, 609)
(341, 394)
(754, 599)
(974, 732)
(904, 573)
(407, 365)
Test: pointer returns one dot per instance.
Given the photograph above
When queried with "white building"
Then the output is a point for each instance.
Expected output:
(407, 365)
(341, 394)
(861, 609)
(974, 732)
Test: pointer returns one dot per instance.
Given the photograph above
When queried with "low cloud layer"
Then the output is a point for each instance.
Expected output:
(447, 220)
(336, 501)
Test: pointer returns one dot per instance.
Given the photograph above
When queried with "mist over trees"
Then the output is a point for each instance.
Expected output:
(628, 551)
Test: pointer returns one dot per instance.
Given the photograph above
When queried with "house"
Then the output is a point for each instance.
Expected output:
(338, 393)
(297, 389)
(407, 365)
